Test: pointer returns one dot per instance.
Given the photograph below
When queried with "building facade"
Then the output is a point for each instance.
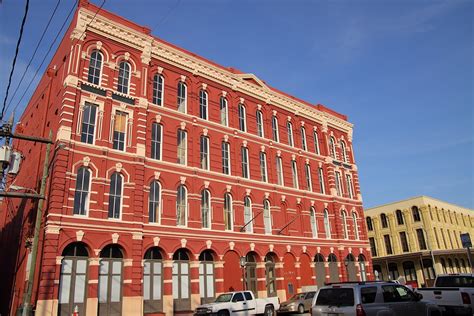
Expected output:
(418, 238)
(175, 171)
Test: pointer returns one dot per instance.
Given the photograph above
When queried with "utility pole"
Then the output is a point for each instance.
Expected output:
(39, 217)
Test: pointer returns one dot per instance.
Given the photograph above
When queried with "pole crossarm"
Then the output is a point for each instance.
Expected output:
(22, 195)
(4, 133)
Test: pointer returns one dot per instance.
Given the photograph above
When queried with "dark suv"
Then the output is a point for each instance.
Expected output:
(370, 299)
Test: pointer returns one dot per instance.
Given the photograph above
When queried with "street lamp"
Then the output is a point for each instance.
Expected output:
(243, 263)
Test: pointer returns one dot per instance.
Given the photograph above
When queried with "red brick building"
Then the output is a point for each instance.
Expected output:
(174, 169)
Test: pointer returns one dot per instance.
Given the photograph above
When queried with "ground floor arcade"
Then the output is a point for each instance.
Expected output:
(135, 275)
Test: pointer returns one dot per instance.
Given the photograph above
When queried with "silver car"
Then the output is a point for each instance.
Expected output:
(298, 303)
(370, 299)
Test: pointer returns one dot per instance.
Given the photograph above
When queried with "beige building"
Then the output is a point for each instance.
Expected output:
(406, 237)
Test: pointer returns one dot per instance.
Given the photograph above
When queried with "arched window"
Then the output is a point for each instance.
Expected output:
(363, 274)
(115, 195)
(275, 134)
(181, 281)
(320, 270)
(356, 225)
(270, 275)
(123, 77)
(153, 281)
(154, 202)
(110, 280)
(333, 268)
(203, 108)
(294, 174)
(224, 111)
(279, 171)
(206, 277)
(251, 272)
(349, 262)
(416, 214)
(158, 84)
(313, 221)
(443, 266)
(332, 147)
(82, 193)
(368, 220)
(244, 151)
(259, 116)
(263, 167)
(383, 219)
(393, 273)
(378, 272)
(409, 270)
(267, 217)
(242, 118)
(399, 215)
(182, 97)
(204, 153)
(428, 270)
(156, 140)
(72, 282)
(228, 212)
(182, 206)
(248, 215)
(344, 224)
(225, 158)
(182, 148)
(303, 138)
(289, 128)
(206, 209)
(316, 142)
(95, 67)
(344, 152)
(309, 182)
(327, 226)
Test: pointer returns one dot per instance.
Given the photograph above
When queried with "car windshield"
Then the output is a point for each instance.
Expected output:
(455, 281)
(336, 297)
(296, 297)
(224, 298)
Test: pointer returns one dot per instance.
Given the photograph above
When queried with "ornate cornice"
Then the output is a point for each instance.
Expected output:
(152, 48)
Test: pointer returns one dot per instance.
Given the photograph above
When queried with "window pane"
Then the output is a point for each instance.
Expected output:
(210, 286)
(81, 266)
(80, 288)
(66, 266)
(184, 286)
(201, 286)
(175, 286)
(64, 289)
(184, 268)
(146, 287)
(156, 287)
(115, 290)
(103, 288)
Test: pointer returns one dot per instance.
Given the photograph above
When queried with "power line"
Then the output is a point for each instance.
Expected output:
(34, 53)
(44, 58)
(14, 59)
(167, 15)
(57, 35)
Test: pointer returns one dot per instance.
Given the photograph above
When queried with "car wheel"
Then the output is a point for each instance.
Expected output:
(269, 311)
(301, 309)
(223, 313)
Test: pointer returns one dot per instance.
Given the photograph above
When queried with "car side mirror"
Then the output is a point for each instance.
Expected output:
(418, 296)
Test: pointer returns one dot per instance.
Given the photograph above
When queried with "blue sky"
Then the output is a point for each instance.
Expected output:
(401, 70)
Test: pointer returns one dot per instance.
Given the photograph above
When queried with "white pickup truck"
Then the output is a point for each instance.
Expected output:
(453, 293)
(239, 303)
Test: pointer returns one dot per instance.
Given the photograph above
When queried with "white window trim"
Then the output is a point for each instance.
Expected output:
(356, 225)
(266, 202)
(244, 117)
(185, 147)
(207, 105)
(249, 227)
(281, 177)
(185, 97)
(294, 174)
(121, 198)
(316, 143)
(226, 111)
(129, 77)
(231, 204)
(304, 143)
(101, 67)
(209, 215)
(265, 168)
(275, 119)
(186, 206)
(247, 167)
(309, 180)
(289, 128)
(161, 142)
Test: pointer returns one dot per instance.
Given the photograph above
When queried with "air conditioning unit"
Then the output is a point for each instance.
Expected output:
(15, 162)
(5, 154)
